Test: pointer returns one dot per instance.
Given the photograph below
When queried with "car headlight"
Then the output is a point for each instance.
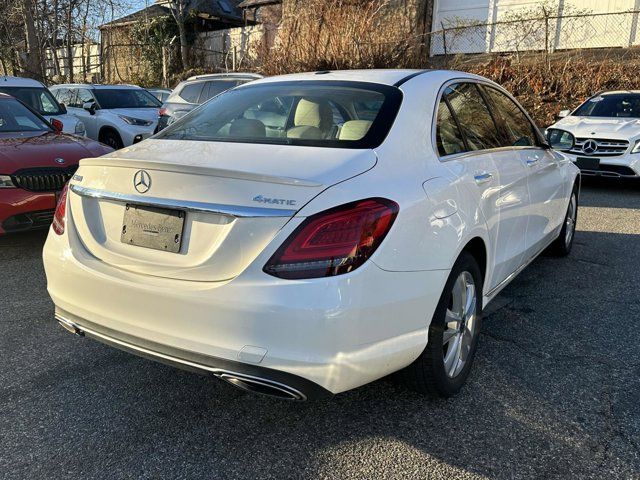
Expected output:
(136, 121)
(636, 147)
(80, 130)
(6, 182)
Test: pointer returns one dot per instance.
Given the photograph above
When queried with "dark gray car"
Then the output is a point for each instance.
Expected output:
(195, 91)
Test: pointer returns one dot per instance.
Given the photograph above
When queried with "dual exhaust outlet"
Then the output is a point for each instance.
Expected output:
(248, 383)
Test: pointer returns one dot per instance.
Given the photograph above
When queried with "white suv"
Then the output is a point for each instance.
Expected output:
(607, 131)
(116, 115)
(36, 96)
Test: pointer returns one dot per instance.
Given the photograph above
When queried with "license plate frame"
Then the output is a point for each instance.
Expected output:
(153, 227)
(588, 163)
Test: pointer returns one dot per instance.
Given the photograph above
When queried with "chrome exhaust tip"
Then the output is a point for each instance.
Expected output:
(262, 386)
(69, 326)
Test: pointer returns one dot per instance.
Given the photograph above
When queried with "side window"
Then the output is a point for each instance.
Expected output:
(191, 92)
(84, 96)
(73, 99)
(474, 116)
(448, 136)
(63, 95)
(212, 89)
(47, 104)
(518, 127)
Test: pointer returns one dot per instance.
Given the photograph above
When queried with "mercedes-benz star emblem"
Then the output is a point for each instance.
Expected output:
(142, 181)
(59, 160)
(589, 147)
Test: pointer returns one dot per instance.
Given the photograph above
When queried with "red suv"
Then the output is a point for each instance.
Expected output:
(36, 160)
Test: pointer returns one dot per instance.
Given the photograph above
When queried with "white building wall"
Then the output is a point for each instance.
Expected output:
(608, 23)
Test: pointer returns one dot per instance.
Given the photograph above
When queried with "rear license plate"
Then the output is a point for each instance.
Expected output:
(151, 227)
(588, 163)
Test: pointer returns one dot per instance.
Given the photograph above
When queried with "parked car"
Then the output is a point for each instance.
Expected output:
(35, 162)
(160, 93)
(607, 131)
(197, 90)
(39, 98)
(116, 115)
(304, 235)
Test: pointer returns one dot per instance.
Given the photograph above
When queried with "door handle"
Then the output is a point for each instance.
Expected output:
(483, 177)
(532, 161)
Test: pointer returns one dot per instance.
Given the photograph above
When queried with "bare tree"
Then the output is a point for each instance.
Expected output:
(180, 12)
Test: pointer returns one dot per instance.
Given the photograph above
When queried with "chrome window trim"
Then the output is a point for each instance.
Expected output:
(189, 206)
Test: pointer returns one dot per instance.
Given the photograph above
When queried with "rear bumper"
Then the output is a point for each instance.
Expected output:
(317, 336)
(21, 210)
(249, 377)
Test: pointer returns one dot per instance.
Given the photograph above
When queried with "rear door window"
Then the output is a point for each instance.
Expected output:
(448, 136)
(211, 89)
(191, 92)
(474, 116)
(519, 129)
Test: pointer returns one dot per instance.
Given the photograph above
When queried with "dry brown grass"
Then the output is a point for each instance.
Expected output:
(342, 34)
(569, 79)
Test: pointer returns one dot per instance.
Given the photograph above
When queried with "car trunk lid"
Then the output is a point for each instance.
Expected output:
(235, 198)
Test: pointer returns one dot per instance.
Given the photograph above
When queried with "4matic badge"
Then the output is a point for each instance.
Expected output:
(274, 201)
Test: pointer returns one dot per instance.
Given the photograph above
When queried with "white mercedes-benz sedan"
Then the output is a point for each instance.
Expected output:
(607, 131)
(303, 235)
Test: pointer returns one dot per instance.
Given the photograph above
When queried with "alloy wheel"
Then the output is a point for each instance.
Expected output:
(570, 222)
(460, 325)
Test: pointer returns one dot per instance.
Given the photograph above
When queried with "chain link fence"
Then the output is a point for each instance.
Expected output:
(546, 34)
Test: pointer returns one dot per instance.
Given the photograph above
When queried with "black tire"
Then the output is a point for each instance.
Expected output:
(427, 374)
(112, 139)
(561, 246)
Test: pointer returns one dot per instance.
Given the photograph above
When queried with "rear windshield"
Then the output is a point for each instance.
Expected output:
(613, 105)
(38, 98)
(109, 98)
(15, 117)
(323, 114)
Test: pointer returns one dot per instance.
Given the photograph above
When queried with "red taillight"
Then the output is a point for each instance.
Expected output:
(162, 111)
(335, 241)
(61, 211)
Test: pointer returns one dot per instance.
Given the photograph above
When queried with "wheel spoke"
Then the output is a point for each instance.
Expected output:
(449, 334)
(465, 344)
(452, 356)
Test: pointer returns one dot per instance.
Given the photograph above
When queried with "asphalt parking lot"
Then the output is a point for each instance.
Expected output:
(555, 392)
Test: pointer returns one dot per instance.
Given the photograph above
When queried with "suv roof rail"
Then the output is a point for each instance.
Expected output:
(222, 75)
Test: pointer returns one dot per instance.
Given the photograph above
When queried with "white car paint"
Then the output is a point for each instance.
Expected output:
(112, 118)
(622, 131)
(213, 300)
(70, 123)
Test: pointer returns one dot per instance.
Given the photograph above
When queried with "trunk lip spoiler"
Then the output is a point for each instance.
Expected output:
(236, 211)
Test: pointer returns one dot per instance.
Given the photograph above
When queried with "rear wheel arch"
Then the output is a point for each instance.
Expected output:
(478, 249)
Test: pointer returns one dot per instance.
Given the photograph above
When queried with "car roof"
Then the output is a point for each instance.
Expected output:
(9, 81)
(617, 92)
(214, 76)
(392, 77)
(95, 86)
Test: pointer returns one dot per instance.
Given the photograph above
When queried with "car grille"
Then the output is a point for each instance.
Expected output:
(605, 147)
(42, 179)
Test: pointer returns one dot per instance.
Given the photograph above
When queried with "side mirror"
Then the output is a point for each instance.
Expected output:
(57, 125)
(560, 139)
(90, 107)
(63, 109)
(563, 113)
